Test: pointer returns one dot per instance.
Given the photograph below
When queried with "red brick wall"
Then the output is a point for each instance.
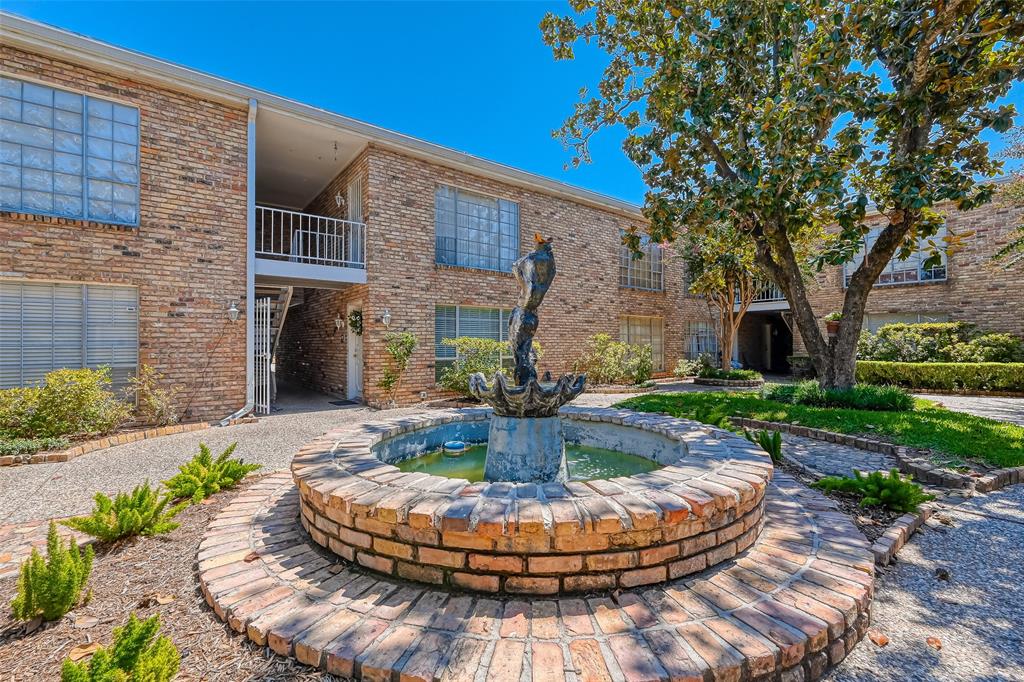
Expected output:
(187, 257)
(585, 299)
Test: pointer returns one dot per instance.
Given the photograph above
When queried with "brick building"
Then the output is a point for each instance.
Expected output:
(152, 214)
(967, 286)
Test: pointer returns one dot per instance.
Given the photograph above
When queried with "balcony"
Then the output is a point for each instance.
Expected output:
(768, 297)
(302, 249)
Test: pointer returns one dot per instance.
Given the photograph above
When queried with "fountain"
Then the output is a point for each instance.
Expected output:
(526, 443)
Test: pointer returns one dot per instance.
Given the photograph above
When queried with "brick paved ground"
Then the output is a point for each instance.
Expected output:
(17, 541)
(790, 605)
(832, 459)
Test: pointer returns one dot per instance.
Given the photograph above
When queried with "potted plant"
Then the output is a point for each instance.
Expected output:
(832, 321)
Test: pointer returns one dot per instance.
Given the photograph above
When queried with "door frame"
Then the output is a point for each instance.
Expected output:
(353, 348)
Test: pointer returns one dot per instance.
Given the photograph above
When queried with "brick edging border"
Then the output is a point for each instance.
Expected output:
(611, 389)
(737, 383)
(909, 462)
(899, 533)
(88, 446)
(967, 394)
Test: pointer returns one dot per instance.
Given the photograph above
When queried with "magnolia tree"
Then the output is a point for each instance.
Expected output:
(787, 118)
(1012, 254)
(720, 267)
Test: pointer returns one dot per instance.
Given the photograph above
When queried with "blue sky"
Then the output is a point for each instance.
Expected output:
(474, 76)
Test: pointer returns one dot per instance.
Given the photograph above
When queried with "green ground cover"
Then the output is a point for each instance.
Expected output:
(959, 435)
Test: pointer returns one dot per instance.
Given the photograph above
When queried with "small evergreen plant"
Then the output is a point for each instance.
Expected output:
(203, 476)
(143, 511)
(770, 442)
(52, 587)
(877, 489)
(136, 653)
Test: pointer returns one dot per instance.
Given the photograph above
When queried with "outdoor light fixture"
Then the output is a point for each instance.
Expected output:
(233, 311)
(337, 322)
(386, 318)
(338, 199)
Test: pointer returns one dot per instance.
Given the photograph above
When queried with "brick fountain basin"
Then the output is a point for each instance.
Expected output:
(703, 506)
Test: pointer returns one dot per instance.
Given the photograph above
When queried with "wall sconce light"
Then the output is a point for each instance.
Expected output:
(386, 317)
(338, 199)
(233, 311)
(338, 322)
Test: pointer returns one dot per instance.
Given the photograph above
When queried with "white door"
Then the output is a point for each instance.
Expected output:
(261, 361)
(354, 363)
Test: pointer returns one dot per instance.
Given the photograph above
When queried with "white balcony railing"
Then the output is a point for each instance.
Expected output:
(306, 238)
(767, 292)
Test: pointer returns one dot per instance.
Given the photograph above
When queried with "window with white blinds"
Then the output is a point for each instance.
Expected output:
(897, 271)
(46, 326)
(701, 340)
(645, 331)
(67, 154)
(475, 231)
(451, 321)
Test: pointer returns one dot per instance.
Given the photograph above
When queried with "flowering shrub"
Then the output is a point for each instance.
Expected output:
(938, 342)
(614, 362)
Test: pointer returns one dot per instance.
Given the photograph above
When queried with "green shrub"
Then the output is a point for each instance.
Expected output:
(707, 372)
(938, 342)
(30, 446)
(154, 404)
(203, 476)
(606, 361)
(877, 489)
(472, 355)
(70, 402)
(52, 587)
(399, 346)
(979, 376)
(141, 512)
(988, 348)
(858, 397)
(686, 368)
(770, 442)
(136, 654)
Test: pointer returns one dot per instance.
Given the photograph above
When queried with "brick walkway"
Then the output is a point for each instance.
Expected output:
(785, 609)
(832, 459)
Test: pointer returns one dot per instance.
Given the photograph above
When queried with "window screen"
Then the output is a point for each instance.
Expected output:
(45, 326)
(66, 154)
(644, 272)
(475, 231)
(901, 271)
(645, 331)
(453, 321)
(701, 340)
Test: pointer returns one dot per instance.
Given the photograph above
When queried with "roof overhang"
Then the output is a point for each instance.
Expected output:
(44, 39)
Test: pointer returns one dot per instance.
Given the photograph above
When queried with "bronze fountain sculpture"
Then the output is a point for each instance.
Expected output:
(525, 442)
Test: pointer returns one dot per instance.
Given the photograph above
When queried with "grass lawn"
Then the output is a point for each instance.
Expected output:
(957, 434)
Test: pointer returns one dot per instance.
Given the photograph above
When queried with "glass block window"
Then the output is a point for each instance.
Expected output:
(68, 155)
(701, 340)
(451, 321)
(475, 231)
(645, 331)
(900, 271)
(644, 272)
(46, 326)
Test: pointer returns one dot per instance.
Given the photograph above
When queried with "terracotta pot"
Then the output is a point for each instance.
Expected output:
(832, 326)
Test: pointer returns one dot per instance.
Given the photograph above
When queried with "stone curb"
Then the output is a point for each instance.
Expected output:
(88, 446)
(736, 383)
(615, 390)
(899, 533)
(918, 466)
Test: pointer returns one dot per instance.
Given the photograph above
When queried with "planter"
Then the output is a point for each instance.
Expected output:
(832, 327)
(735, 383)
(801, 366)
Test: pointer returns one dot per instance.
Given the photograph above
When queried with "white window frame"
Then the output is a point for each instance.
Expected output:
(81, 138)
(452, 246)
(657, 349)
(91, 343)
(701, 339)
(444, 355)
(645, 273)
(896, 272)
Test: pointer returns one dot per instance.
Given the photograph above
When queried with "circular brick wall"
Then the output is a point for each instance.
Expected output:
(702, 507)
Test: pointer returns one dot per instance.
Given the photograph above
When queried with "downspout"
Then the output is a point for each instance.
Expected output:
(250, 269)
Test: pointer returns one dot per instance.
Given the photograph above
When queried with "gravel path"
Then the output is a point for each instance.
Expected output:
(976, 615)
(1002, 409)
(832, 459)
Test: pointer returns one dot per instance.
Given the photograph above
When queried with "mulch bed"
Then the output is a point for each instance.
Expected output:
(127, 579)
(872, 521)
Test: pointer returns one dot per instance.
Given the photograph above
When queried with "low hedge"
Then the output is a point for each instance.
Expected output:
(947, 376)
